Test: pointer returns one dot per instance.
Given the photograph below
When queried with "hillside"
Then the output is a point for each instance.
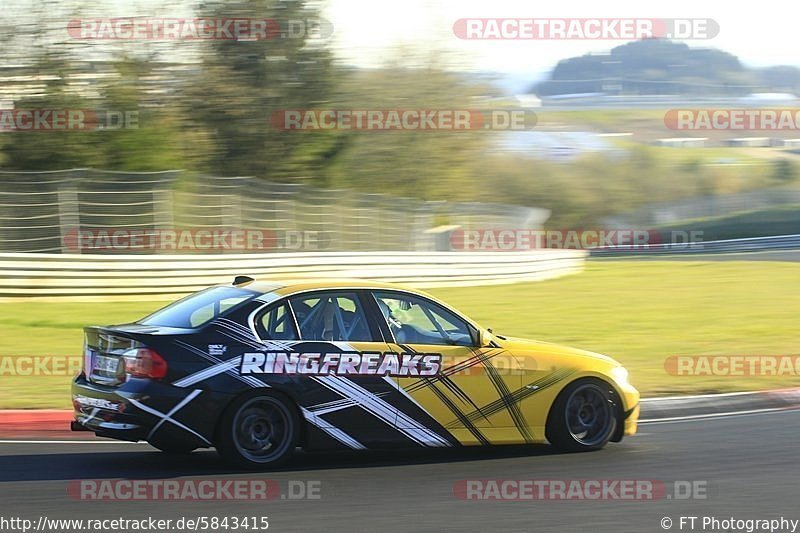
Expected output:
(658, 66)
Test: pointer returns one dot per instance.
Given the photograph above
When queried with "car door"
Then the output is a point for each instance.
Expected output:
(473, 394)
(336, 322)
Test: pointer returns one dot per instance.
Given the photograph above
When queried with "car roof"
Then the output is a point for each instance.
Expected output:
(290, 286)
(287, 287)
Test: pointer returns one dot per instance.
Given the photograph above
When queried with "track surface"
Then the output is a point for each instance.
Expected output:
(750, 465)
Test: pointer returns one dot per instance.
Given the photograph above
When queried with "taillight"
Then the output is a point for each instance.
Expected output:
(86, 362)
(145, 363)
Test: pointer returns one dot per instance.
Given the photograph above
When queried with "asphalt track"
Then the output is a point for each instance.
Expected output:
(748, 462)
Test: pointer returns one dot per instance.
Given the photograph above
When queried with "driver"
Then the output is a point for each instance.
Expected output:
(394, 324)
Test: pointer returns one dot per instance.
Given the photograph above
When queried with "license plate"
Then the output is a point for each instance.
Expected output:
(106, 365)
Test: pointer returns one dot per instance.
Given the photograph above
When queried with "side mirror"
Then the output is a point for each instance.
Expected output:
(487, 338)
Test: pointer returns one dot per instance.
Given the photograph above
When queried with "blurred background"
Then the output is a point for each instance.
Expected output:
(599, 154)
(184, 136)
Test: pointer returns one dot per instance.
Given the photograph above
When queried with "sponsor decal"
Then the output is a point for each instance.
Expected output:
(217, 349)
(342, 364)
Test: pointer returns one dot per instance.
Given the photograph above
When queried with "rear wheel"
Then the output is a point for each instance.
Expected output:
(583, 417)
(259, 430)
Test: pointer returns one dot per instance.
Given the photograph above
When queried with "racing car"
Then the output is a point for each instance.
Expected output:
(259, 369)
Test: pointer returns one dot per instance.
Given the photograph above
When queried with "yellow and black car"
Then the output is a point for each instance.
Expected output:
(258, 369)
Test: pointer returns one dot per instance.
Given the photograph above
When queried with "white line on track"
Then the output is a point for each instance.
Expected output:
(691, 418)
(671, 420)
(718, 395)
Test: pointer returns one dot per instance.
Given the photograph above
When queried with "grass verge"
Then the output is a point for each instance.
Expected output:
(638, 312)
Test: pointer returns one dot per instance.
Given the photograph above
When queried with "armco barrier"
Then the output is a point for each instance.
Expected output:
(752, 244)
(86, 277)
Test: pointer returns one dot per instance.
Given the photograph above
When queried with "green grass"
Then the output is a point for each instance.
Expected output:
(641, 312)
(638, 312)
(52, 329)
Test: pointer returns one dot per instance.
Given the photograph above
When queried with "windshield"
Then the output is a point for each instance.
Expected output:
(200, 308)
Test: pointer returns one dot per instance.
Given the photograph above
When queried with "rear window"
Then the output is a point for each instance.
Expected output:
(199, 308)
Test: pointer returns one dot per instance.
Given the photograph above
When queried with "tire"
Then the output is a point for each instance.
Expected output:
(583, 417)
(173, 449)
(258, 430)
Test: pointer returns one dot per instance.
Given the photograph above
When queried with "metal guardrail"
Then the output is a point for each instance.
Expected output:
(126, 277)
(753, 244)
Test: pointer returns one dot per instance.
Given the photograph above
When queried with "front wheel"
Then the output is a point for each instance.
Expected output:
(258, 431)
(583, 417)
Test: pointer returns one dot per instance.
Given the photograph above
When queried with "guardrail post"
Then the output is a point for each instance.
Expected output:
(68, 217)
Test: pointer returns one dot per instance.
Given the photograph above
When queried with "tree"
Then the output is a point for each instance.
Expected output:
(243, 82)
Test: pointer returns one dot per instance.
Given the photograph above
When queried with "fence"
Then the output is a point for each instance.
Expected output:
(84, 277)
(39, 211)
(656, 215)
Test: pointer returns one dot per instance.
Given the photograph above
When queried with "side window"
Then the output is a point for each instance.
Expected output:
(210, 311)
(277, 324)
(331, 316)
(414, 320)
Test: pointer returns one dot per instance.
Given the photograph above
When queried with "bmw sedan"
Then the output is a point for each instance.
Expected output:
(260, 369)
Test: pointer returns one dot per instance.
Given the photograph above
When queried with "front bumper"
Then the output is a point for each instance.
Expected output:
(632, 421)
(143, 409)
(630, 398)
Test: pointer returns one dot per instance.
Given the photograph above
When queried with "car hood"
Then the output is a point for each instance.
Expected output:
(527, 347)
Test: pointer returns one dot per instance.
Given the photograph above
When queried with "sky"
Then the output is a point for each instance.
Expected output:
(369, 33)
(760, 33)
